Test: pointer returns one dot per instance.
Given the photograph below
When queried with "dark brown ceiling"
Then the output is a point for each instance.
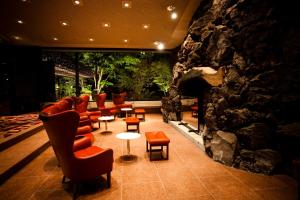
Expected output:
(42, 23)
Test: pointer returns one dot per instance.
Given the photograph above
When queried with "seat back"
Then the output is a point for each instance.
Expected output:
(118, 99)
(100, 100)
(61, 128)
(81, 103)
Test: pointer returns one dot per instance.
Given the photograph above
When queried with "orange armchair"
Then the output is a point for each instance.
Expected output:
(119, 100)
(83, 165)
(100, 100)
(81, 105)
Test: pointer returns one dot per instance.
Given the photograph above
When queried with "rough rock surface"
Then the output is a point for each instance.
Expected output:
(223, 146)
(256, 43)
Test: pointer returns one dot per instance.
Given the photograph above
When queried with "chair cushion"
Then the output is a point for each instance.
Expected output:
(87, 152)
(157, 138)
(139, 111)
(132, 120)
(82, 141)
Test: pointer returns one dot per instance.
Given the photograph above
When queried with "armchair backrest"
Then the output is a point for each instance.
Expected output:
(61, 128)
(81, 103)
(100, 100)
(118, 98)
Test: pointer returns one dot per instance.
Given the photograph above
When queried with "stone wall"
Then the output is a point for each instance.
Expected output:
(256, 43)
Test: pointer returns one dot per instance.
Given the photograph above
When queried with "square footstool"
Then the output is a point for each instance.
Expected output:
(140, 113)
(157, 138)
(132, 121)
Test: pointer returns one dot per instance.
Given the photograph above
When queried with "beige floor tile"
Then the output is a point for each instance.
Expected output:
(226, 187)
(145, 191)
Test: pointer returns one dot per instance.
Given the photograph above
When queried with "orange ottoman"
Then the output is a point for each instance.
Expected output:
(140, 112)
(132, 121)
(157, 138)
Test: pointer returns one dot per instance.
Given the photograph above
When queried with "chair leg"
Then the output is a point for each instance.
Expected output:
(147, 146)
(167, 151)
(108, 179)
(150, 152)
(75, 189)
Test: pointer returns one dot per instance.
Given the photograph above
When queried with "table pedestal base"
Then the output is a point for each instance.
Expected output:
(128, 157)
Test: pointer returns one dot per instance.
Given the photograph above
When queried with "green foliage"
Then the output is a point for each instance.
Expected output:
(102, 65)
(162, 75)
(65, 86)
(143, 75)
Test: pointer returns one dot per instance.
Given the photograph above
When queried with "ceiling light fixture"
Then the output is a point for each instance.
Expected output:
(173, 13)
(125, 40)
(146, 26)
(17, 37)
(126, 4)
(64, 23)
(91, 39)
(19, 21)
(106, 25)
(159, 45)
(77, 2)
(55, 38)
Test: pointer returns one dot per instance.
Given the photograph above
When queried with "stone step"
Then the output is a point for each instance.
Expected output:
(195, 138)
(18, 155)
(13, 138)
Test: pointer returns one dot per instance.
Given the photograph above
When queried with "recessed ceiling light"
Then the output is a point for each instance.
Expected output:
(170, 8)
(159, 45)
(55, 38)
(19, 21)
(64, 23)
(17, 37)
(77, 2)
(25, 1)
(91, 39)
(126, 4)
(125, 40)
(173, 15)
(106, 25)
(146, 26)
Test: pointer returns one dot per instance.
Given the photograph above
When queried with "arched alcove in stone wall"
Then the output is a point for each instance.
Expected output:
(252, 114)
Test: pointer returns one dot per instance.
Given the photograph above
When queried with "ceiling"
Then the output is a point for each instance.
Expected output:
(42, 23)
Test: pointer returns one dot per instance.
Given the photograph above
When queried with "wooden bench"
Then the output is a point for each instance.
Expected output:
(157, 138)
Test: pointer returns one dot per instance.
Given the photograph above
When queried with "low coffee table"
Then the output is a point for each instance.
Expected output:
(105, 119)
(126, 110)
(128, 136)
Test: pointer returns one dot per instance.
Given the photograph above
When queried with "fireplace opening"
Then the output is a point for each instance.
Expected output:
(192, 85)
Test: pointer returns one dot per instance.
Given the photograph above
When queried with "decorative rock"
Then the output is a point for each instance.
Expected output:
(255, 136)
(223, 146)
(259, 90)
(263, 161)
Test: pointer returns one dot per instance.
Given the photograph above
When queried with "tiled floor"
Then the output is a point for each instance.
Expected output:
(188, 174)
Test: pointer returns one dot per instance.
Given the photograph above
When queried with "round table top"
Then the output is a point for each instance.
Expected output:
(105, 118)
(128, 135)
(126, 109)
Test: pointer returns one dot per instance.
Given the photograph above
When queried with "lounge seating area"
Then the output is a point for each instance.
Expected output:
(149, 100)
(188, 173)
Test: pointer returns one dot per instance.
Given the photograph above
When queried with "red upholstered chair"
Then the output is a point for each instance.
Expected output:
(100, 100)
(84, 138)
(81, 104)
(81, 165)
(119, 100)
